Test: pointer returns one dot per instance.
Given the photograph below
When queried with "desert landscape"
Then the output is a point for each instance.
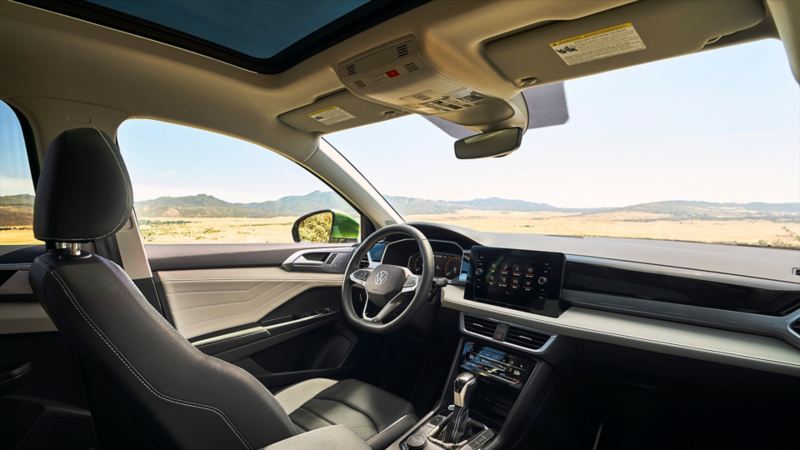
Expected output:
(206, 219)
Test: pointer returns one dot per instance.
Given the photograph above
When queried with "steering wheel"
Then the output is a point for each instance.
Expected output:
(386, 286)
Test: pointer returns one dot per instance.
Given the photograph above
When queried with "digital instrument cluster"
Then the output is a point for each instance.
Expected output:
(446, 265)
(448, 257)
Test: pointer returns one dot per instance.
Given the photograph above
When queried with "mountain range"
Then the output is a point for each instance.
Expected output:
(18, 209)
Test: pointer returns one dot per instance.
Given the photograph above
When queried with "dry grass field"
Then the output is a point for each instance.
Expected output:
(167, 230)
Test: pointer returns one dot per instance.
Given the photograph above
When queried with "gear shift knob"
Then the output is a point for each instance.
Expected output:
(463, 386)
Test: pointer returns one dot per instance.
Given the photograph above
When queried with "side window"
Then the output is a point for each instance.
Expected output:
(196, 186)
(16, 183)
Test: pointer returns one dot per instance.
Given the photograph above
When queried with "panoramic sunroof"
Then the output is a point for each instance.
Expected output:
(260, 29)
(266, 36)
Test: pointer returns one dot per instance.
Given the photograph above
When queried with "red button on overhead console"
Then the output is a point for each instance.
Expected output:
(392, 73)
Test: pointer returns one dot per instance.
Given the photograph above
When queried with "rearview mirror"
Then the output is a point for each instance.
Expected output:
(326, 226)
(489, 144)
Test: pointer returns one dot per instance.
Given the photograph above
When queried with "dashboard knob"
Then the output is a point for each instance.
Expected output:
(478, 272)
(542, 281)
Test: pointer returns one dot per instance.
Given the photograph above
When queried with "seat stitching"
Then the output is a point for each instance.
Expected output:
(374, 425)
(316, 414)
(128, 198)
(141, 379)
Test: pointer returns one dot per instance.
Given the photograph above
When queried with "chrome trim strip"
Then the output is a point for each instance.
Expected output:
(540, 350)
(259, 329)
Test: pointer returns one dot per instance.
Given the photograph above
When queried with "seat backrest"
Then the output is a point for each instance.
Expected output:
(183, 397)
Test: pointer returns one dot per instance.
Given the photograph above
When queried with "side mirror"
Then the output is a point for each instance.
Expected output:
(326, 226)
(489, 144)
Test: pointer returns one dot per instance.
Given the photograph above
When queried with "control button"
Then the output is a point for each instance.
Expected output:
(542, 281)
(478, 272)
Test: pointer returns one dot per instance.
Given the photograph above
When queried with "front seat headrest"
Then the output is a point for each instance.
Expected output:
(84, 192)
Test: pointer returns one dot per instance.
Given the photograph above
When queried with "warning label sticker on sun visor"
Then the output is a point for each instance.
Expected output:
(611, 41)
(331, 115)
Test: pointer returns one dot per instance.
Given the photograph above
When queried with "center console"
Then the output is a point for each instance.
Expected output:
(499, 389)
(483, 394)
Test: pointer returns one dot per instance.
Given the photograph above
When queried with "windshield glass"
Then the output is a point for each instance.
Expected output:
(702, 148)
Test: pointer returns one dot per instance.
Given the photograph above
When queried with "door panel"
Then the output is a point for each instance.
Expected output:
(212, 300)
(271, 309)
(20, 312)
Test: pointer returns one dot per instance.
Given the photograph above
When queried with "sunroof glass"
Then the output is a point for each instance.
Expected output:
(257, 28)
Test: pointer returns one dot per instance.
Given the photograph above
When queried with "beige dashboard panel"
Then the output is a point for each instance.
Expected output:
(209, 300)
(666, 28)
(727, 347)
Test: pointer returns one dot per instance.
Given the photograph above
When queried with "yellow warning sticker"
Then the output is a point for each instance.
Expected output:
(611, 41)
(331, 115)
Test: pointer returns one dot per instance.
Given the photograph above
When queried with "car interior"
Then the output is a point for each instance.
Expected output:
(384, 333)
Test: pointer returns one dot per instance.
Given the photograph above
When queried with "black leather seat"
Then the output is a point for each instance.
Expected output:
(180, 397)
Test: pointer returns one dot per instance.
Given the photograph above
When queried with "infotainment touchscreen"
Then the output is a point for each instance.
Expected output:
(522, 279)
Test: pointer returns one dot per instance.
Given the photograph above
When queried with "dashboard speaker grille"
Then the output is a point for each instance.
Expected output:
(483, 327)
(526, 338)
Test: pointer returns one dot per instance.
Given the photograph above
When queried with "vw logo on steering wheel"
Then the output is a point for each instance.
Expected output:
(381, 277)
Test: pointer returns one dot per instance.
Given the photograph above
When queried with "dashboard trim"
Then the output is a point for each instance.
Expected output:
(680, 339)
(761, 324)
(704, 275)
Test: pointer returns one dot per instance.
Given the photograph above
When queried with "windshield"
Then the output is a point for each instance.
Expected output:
(702, 148)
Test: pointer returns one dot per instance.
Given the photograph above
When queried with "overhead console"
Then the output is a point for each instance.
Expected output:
(520, 279)
(398, 75)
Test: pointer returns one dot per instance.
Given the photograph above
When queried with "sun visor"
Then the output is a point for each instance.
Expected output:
(337, 112)
(640, 32)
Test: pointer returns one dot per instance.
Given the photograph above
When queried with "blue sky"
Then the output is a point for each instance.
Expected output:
(722, 125)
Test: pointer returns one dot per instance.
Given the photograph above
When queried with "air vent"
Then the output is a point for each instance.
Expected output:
(351, 69)
(402, 50)
(526, 338)
(483, 327)
(364, 263)
(410, 67)
(795, 326)
(360, 84)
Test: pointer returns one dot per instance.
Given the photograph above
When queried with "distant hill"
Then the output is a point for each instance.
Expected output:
(16, 200)
(18, 209)
(203, 205)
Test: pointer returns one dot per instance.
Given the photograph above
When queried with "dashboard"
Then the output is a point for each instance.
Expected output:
(720, 303)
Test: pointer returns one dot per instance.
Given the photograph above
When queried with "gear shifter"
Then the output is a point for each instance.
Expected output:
(463, 386)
